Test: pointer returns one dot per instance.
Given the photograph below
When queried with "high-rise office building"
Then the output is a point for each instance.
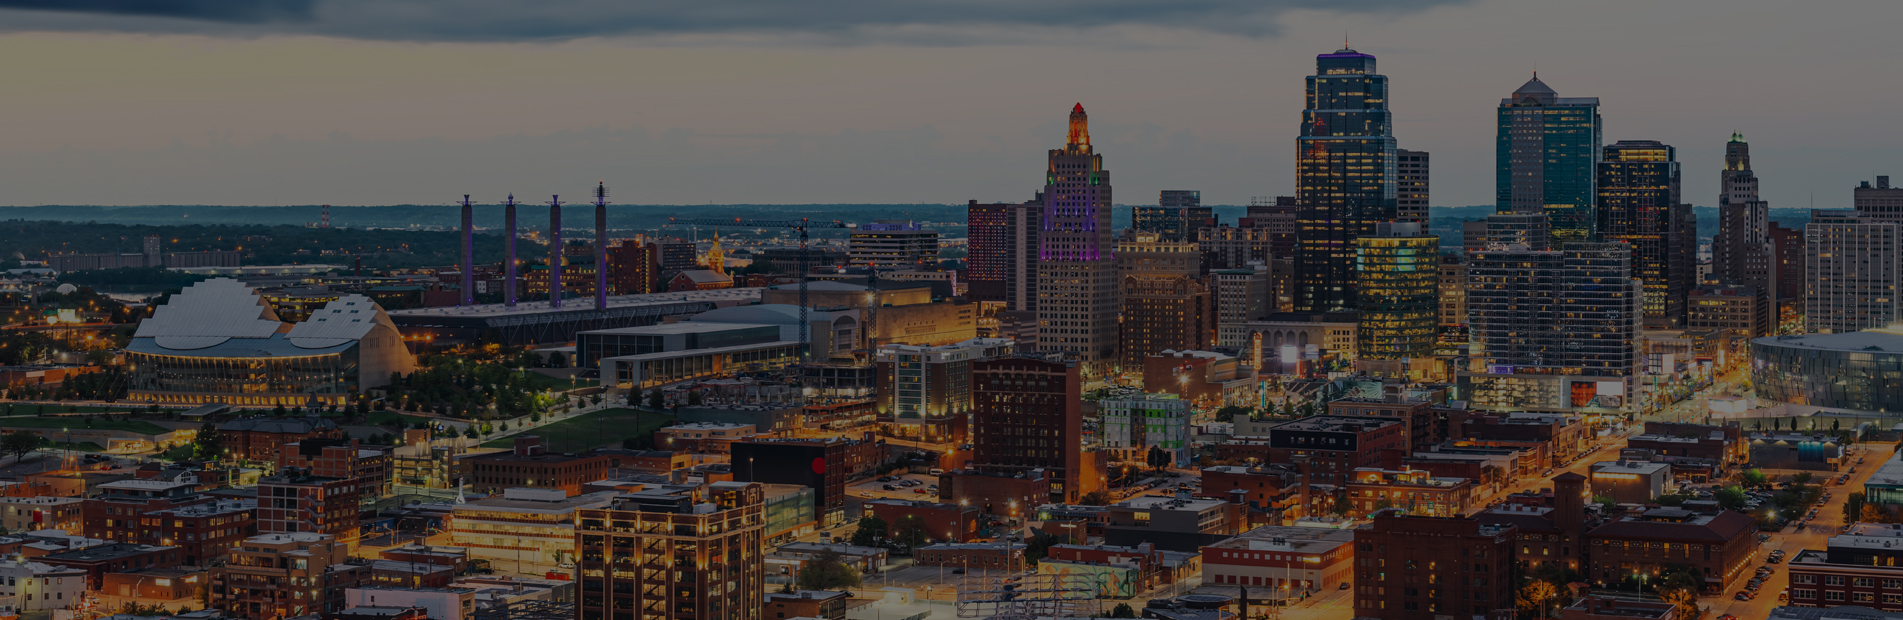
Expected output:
(1280, 216)
(892, 243)
(1399, 283)
(1880, 201)
(1639, 205)
(1344, 176)
(1850, 267)
(1742, 253)
(1244, 294)
(1533, 231)
(1077, 272)
(1176, 216)
(1166, 304)
(1572, 311)
(1545, 150)
(1453, 290)
(1787, 244)
(1410, 174)
(1027, 414)
(1003, 253)
(673, 552)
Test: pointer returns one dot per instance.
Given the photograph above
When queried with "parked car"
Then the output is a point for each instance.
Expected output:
(1344, 585)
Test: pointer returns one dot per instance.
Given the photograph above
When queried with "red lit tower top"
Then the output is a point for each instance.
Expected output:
(1079, 130)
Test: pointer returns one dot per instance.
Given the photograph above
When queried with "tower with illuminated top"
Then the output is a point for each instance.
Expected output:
(1077, 275)
(1345, 176)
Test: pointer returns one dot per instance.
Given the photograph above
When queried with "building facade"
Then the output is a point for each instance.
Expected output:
(1545, 150)
(1411, 185)
(1027, 414)
(1851, 271)
(673, 551)
(1344, 176)
(1742, 310)
(892, 243)
(1553, 330)
(926, 391)
(1130, 426)
(1639, 206)
(1742, 253)
(1398, 283)
(1424, 568)
(1166, 304)
(1003, 253)
(1178, 214)
(1077, 276)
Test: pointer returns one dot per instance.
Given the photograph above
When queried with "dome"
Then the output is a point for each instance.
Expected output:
(66, 289)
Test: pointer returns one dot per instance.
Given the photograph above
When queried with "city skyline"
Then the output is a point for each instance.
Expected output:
(849, 109)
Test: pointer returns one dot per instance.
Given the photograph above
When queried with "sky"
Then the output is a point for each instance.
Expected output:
(368, 102)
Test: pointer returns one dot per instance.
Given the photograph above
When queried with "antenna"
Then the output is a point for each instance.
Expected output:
(555, 251)
(326, 223)
(601, 245)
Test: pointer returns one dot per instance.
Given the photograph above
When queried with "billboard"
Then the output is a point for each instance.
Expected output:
(1112, 581)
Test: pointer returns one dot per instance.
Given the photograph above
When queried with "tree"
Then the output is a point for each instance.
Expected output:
(1094, 498)
(1686, 600)
(657, 399)
(557, 360)
(208, 446)
(1495, 474)
(1037, 547)
(502, 426)
(1157, 457)
(470, 432)
(827, 572)
(910, 532)
(18, 443)
(1123, 610)
(1730, 498)
(1534, 597)
(694, 398)
(1853, 507)
(787, 588)
(1751, 477)
(1229, 413)
(870, 532)
(1340, 508)
(1606, 501)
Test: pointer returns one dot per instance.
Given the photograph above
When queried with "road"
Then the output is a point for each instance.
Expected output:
(1829, 520)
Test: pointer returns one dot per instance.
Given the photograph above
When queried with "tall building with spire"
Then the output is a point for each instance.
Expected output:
(1077, 270)
(1742, 252)
(1546, 149)
(1344, 176)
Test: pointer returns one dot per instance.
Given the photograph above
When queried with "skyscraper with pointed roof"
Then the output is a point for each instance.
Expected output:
(1345, 176)
(1742, 252)
(1077, 272)
(1546, 149)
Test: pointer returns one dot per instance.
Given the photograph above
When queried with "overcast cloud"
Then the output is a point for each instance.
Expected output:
(420, 101)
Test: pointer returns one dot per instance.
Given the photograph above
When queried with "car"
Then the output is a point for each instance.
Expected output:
(1773, 559)
(1345, 585)
(919, 491)
(891, 487)
(1741, 597)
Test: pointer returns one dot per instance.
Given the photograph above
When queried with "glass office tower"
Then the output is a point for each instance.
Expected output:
(1545, 152)
(1345, 176)
(1639, 205)
(1399, 286)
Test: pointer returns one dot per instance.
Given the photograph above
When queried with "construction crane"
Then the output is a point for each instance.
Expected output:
(802, 224)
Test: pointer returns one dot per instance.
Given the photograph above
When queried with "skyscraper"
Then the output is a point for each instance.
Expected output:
(1639, 205)
(1077, 271)
(1003, 252)
(1165, 304)
(1545, 149)
(1882, 202)
(1344, 176)
(1399, 284)
(1176, 216)
(1027, 414)
(1552, 328)
(1850, 264)
(692, 550)
(1411, 193)
(1742, 252)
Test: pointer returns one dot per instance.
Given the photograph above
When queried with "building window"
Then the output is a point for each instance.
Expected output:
(1803, 594)
(1804, 579)
(1863, 582)
(1833, 595)
(1833, 580)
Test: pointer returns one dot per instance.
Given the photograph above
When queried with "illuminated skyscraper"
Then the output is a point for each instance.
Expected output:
(1344, 175)
(1077, 272)
(1399, 284)
(1545, 150)
(1639, 206)
(1742, 253)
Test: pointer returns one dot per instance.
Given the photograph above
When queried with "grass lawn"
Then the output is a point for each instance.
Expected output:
(136, 426)
(177, 453)
(545, 382)
(19, 409)
(594, 430)
(380, 418)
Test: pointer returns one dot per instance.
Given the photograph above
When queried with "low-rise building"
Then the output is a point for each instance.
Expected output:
(1287, 559)
(436, 603)
(1631, 482)
(806, 604)
(1607, 608)
(1719, 546)
(527, 464)
(38, 586)
(1861, 567)
(100, 560)
(1415, 492)
(947, 522)
(1131, 425)
(1336, 445)
(1796, 451)
(783, 564)
(1137, 569)
(1436, 567)
(1001, 556)
(285, 575)
(525, 530)
(1173, 523)
(706, 437)
(21, 514)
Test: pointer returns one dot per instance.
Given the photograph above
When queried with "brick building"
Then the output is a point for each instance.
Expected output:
(1027, 415)
(1337, 445)
(1288, 560)
(806, 604)
(707, 539)
(1424, 568)
(1428, 423)
(705, 437)
(294, 501)
(1413, 491)
(285, 575)
(371, 469)
(122, 510)
(1548, 533)
(1564, 436)
(947, 522)
(100, 560)
(1722, 443)
(1010, 495)
(23, 514)
(259, 438)
(1744, 310)
(1862, 567)
(1172, 523)
(1276, 490)
(528, 464)
(1151, 566)
(1004, 556)
(1721, 546)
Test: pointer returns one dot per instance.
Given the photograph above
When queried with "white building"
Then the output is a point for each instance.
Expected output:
(525, 530)
(442, 604)
(1851, 271)
(32, 586)
(1131, 425)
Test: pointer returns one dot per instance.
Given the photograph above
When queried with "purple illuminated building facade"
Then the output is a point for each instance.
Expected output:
(1077, 275)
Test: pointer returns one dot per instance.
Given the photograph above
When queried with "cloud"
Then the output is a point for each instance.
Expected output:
(920, 21)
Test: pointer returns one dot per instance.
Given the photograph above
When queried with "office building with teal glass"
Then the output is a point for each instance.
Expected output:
(1546, 150)
(1345, 176)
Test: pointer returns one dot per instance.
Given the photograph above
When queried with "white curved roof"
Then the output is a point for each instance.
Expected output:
(339, 322)
(207, 314)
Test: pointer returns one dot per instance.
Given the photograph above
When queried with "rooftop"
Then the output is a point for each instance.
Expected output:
(1640, 468)
(564, 506)
(1677, 524)
(1336, 424)
(684, 327)
(1885, 340)
(734, 295)
(104, 553)
(1831, 613)
(1890, 474)
(1168, 503)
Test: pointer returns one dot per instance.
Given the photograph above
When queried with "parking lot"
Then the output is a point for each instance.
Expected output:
(904, 486)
